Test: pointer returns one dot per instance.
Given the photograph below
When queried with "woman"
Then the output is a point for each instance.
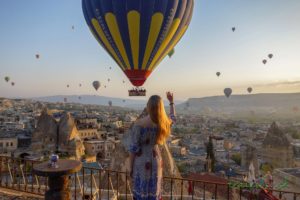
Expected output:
(145, 158)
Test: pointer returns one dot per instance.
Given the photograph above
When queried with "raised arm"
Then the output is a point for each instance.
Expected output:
(170, 97)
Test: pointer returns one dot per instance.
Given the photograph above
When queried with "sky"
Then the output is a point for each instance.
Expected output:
(72, 57)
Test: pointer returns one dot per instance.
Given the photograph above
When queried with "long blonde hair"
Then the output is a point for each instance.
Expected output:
(158, 115)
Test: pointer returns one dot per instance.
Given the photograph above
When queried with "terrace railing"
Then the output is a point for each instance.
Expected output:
(93, 184)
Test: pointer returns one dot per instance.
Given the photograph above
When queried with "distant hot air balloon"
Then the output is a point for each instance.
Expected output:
(171, 53)
(124, 100)
(123, 81)
(96, 85)
(73, 27)
(138, 34)
(13, 83)
(65, 100)
(110, 103)
(104, 86)
(233, 29)
(108, 80)
(249, 89)
(80, 85)
(218, 74)
(68, 86)
(79, 97)
(264, 61)
(270, 56)
(227, 92)
(295, 109)
(6, 78)
(109, 67)
(37, 56)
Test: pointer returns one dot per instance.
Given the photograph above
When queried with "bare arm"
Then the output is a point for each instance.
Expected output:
(172, 107)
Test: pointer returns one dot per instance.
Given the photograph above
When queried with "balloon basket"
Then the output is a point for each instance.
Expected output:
(137, 92)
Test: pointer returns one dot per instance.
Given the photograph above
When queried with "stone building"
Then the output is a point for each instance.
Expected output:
(50, 136)
(277, 149)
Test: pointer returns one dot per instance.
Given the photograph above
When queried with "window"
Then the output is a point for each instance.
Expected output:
(11, 144)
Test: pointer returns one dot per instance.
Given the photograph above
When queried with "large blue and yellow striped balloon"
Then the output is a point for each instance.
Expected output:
(138, 34)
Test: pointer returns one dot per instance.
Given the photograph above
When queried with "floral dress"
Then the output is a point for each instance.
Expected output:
(147, 166)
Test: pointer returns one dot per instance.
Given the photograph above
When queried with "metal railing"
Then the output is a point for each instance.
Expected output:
(93, 184)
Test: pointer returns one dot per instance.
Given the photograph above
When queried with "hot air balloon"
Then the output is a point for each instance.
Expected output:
(249, 89)
(218, 74)
(123, 81)
(171, 53)
(109, 67)
(73, 27)
(138, 34)
(80, 84)
(108, 80)
(79, 97)
(65, 100)
(270, 56)
(295, 109)
(37, 56)
(124, 100)
(13, 83)
(104, 86)
(6, 78)
(233, 29)
(264, 61)
(68, 86)
(110, 103)
(227, 92)
(96, 85)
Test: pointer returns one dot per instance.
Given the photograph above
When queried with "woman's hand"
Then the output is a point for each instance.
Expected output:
(170, 97)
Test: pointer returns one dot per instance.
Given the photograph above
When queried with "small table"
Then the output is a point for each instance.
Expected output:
(58, 180)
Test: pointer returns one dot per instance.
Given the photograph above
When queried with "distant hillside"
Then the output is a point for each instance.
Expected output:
(252, 104)
(96, 100)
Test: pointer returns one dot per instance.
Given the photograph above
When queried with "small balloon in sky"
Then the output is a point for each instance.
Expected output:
(123, 81)
(171, 53)
(249, 89)
(124, 100)
(109, 67)
(13, 83)
(80, 85)
(104, 86)
(227, 92)
(218, 74)
(96, 85)
(65, 100)
(37, 56)
(264, 61)
(270, 56)
(73, 27)
(79, 97)
(233, 29)
(110, 103)
(6, 78)
(68, 86)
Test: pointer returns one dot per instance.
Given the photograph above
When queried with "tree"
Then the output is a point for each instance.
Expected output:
(210, 153)
(237, 158)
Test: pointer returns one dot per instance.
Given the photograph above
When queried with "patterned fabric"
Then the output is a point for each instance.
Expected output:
(147, 169)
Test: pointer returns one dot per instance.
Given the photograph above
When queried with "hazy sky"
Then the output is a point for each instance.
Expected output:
(74, 56)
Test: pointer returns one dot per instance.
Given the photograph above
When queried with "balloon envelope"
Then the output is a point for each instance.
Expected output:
(270, 56)
(13, 83)
(138, 34)
(37, 56)
(96, 85)
(249, 89)
(227, 92)
(6, 79)
(233, 29)
(264, 61)
(171, 53)
(218, 74)
(110, 103)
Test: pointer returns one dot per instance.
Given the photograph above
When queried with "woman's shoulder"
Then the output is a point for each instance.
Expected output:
(144, 122)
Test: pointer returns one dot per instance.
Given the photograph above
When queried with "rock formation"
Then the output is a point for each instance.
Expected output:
(277, 149)
(50, 134)
(249, 155)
